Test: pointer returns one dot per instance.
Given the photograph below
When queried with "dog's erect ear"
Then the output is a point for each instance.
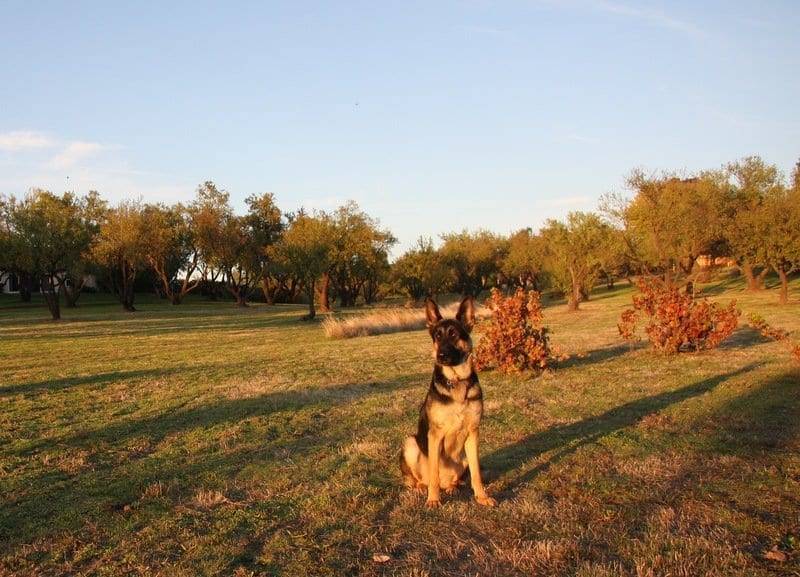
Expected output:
(432, 313)
(466, 313)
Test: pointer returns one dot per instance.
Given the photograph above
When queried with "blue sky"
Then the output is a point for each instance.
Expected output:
(433, 116)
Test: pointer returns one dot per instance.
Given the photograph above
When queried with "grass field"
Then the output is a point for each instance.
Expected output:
(210, 440)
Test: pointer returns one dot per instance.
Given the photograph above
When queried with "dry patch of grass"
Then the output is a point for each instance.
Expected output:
(385, 321)
(207, 499)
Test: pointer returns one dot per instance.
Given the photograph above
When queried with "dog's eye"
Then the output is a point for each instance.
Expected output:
(451, 332)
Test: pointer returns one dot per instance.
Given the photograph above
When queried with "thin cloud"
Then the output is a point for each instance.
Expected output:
(74, 153)
(18, 140)
(581, 138)
(489, 31)
(653, 16)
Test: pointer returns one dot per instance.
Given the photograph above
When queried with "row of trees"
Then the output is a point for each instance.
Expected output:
(661, 225)
(58, 241)
(568, 256)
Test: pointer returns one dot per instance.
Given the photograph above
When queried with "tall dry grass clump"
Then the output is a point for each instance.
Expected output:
(384, 321)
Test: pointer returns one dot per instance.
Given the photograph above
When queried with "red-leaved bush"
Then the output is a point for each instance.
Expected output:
(676, 321)
(514, 338)
(777, 334)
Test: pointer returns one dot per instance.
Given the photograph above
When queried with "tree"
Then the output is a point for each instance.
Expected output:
(170, 247)
(49, 235)
(751, 182)
(121, 248)
(523, 265)
(613, 256)
(209, 212)
(675, 220)
(573, 250)
(420, 272)
(475, 259)
(781, 241)
(266, 225)
(305, 250)
(93, 213)
(7, 241)
(359, 253)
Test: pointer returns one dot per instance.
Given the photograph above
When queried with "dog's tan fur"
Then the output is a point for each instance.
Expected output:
(447, 439)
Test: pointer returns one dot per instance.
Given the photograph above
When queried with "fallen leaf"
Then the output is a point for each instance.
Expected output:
(775, 555)
(380, 558)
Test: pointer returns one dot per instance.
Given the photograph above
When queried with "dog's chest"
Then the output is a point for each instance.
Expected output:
(456, 416)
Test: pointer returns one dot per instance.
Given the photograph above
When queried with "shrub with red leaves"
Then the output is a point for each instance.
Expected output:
(514, 338)
(775, 333)
(676, 321)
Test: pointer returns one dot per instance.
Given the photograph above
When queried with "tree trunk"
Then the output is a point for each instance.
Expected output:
(127, 294)
(177, 298)
(755, 282)
(574, 300)
(269, 293)
(241, 299)
(51, 297)
(25, 288)
(310, 292)
(324, 299)
(783, 296)
(53, 305)
(575, 292)
(72, 291)
(760, 278)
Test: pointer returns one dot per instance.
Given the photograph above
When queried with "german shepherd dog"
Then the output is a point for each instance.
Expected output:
(451, 413)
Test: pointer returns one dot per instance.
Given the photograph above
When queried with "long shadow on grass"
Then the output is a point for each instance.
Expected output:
(566, 439)
(764, 419)
(744, 337)
(307, 422)
(52, 385)
(149, 326)
(600, 355)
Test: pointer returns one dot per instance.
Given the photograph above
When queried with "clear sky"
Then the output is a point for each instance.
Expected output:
(433, 116)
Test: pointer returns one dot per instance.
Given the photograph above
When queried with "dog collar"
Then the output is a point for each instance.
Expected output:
(453, 383)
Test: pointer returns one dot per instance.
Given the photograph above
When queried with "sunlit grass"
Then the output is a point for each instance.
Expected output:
(206, 439)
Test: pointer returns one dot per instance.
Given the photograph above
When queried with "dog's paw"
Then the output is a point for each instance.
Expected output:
(486, 501)
(451, 489)
(433, 503)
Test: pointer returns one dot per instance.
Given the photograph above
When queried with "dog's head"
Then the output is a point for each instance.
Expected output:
(451, 341)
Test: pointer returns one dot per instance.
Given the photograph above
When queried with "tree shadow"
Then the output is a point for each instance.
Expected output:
(55, 500)
(154, 326)
(566, 439)
(603, 292)
(600, 355)
(766, 418)
(716, 288)
(52, 385)
(743, 337)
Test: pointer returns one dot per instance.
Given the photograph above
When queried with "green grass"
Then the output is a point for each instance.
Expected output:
(210, 440)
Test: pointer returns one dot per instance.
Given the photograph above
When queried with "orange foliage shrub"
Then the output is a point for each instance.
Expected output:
(514, 338)
(777, 334)
(676, 321)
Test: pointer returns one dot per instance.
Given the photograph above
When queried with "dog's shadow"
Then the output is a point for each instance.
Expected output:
(511, 466)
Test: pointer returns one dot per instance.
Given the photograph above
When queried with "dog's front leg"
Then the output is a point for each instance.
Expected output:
(471, 447)
(434, 451)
